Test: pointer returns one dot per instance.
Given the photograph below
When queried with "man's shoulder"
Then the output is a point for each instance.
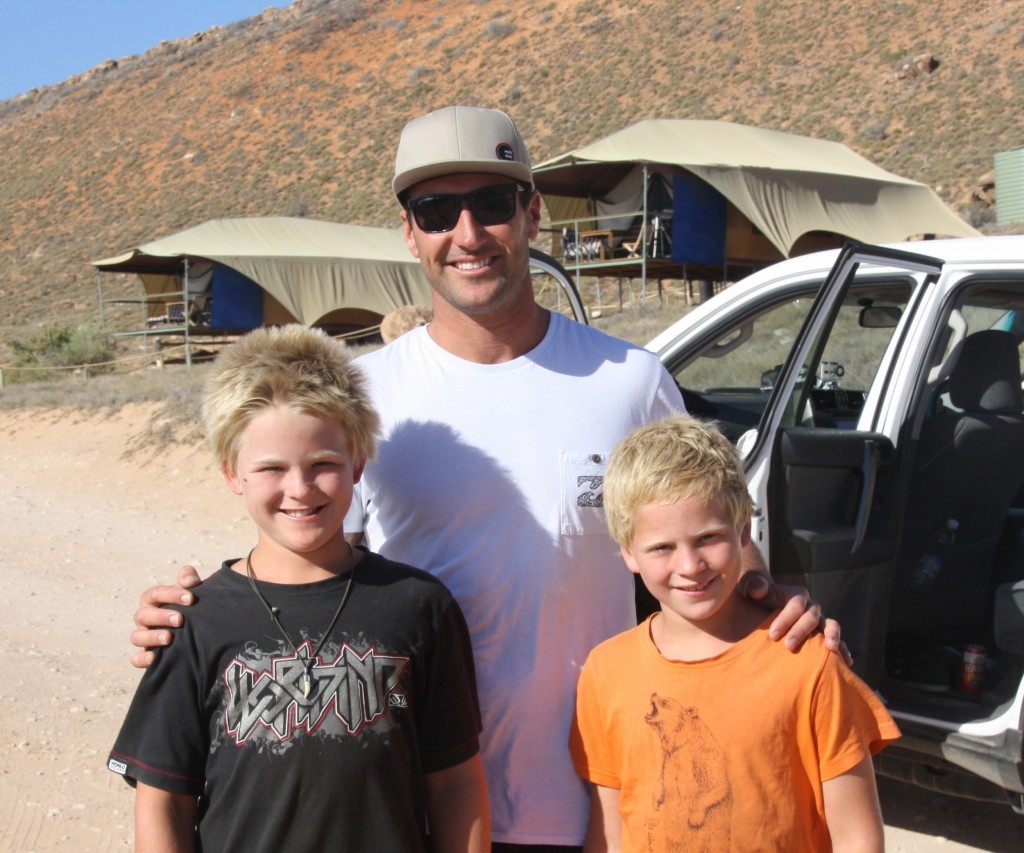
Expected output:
(585, 345)
(397, 350)
(573, 330)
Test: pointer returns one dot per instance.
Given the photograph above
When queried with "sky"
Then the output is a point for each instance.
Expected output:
(43, 42)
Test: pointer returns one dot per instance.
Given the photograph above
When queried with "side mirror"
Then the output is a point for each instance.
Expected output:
(746, 442)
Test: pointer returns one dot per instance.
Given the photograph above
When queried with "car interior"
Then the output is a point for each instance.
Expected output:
(955, 641)
(961, 563)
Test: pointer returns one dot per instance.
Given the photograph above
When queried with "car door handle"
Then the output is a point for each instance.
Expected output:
(869, 474)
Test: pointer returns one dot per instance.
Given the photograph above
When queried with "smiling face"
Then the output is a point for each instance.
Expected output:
(690, 556)
(475, 269)
(296, 474)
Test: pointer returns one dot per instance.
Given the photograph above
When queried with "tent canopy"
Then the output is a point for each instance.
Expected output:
(310, 267)
(786, 185)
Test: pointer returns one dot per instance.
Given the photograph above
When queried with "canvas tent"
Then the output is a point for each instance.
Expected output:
(249, 271)
(712, 177)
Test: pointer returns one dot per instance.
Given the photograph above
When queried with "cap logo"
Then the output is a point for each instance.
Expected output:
(504, 151)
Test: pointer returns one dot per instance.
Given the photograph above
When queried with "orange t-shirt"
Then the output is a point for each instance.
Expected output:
(727, 753)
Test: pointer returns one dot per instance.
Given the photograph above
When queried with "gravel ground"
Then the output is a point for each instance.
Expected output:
(917, 820)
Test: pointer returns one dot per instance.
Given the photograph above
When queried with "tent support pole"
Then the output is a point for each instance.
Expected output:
(643, 245)
(99, 295)
(184, 298)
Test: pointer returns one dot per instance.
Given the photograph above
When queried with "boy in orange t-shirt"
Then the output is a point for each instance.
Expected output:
(695, 730)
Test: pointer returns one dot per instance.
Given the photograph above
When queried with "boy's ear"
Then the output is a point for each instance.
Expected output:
(745, 535)
(357, 472)
(233, 481)
(631, 563)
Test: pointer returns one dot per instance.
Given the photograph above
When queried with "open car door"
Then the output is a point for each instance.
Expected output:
(544, 266)
(824, 465)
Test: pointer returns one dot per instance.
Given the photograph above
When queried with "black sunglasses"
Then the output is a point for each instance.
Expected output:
(491, 205)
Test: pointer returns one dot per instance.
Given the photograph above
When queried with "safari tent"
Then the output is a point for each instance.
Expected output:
(705, 196)
(232, 275)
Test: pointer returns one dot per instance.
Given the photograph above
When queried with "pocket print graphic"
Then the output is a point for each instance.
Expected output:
(591, 492)
(582, 503)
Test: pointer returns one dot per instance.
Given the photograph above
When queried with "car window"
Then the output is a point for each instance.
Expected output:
(986, 305)
(731, 378)
(742, 359)
(833, 386)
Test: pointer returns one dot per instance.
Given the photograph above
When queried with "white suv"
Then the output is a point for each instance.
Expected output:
(876, 395)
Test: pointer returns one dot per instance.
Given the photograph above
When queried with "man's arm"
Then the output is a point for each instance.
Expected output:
(164, 822)
(799, 616)
(154, 623)
(852, 813)
(604, 832)
(458, 812)
(152, 617)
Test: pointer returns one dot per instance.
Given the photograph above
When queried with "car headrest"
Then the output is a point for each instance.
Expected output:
(986, 376)
(1009, 617)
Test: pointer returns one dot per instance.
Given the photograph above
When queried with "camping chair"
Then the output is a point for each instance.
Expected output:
(660, 243)
(202, 310)
(635, 247)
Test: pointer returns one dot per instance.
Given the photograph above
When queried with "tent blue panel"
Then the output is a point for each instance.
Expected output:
(698, 222)
(237, 301)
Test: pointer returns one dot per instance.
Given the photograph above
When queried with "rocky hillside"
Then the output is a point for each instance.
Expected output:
(296, 111)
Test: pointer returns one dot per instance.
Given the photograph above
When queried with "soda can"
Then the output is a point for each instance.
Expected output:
(972, 669)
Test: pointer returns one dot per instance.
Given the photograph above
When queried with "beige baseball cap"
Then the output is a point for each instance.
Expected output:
(460, 139)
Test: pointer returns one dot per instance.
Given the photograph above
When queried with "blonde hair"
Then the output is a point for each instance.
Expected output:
(668, 461)
(291, 367)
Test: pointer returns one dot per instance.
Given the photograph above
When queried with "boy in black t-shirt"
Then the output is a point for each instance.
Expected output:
(318, 696)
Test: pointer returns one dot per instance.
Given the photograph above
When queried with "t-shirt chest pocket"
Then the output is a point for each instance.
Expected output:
(582, 505)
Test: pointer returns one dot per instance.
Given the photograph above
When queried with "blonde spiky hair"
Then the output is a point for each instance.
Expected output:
(668, 461)
(292, 367)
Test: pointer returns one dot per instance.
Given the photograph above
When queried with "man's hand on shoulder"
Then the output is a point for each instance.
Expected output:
(799, 616)
(153, 619)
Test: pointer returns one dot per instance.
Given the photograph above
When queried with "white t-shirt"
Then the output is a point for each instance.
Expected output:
(491, 478)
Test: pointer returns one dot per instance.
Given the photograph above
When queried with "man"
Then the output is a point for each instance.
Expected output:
(498, 418)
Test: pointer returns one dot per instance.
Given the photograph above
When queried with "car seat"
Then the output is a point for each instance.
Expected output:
(968, 467)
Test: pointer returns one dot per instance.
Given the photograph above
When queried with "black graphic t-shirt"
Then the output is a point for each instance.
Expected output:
(221, 713)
